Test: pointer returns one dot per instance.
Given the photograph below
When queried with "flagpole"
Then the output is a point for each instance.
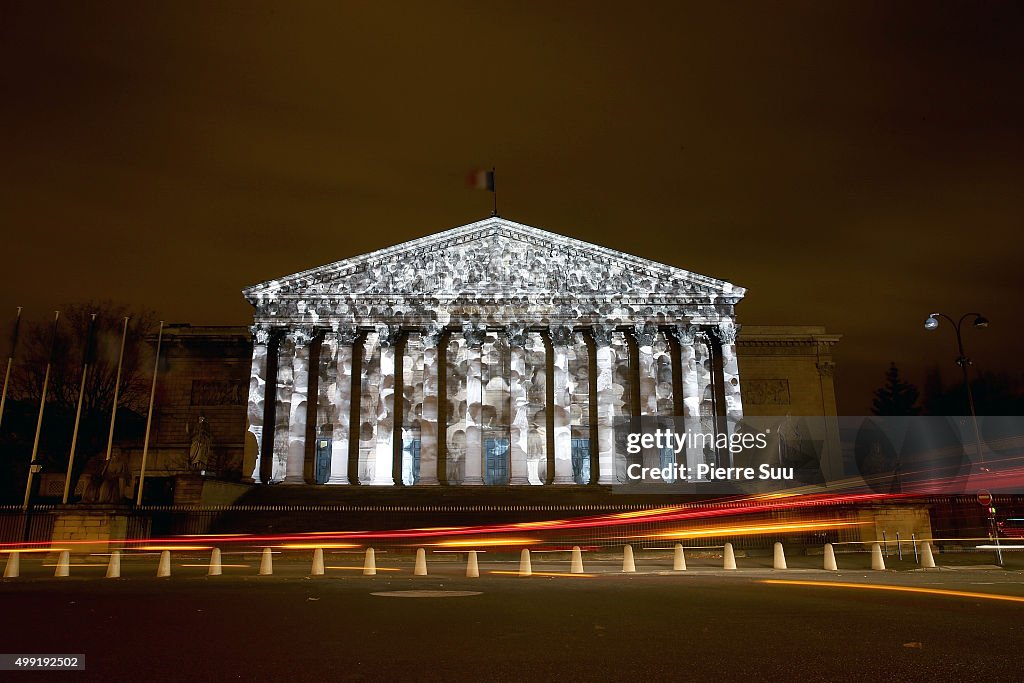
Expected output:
(39, 422)
(494, 190)
(86, 357)
(10, 361)
(117, 390)
(149, 416)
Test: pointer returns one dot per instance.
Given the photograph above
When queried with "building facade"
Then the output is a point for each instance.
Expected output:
(499, 354)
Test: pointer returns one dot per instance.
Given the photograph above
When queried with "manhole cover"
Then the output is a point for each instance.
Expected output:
(425, 594)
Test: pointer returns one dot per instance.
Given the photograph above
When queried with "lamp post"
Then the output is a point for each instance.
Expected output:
(931, 323)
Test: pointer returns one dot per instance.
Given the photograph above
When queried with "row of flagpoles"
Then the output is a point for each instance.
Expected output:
(87, 360)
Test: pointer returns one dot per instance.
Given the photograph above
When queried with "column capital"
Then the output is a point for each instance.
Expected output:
(516, 335)
(603, 334)
(685, 334)
(260, 334)
(345, 335)
(475, 334)
(431, 334)
(388, 335)
(561, 335)
(646, 333)
(299, 335)
(726, 332)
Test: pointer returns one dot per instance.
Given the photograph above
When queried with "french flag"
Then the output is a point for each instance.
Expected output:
(481, 180)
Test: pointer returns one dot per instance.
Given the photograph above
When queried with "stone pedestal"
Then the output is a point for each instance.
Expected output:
(96, 525)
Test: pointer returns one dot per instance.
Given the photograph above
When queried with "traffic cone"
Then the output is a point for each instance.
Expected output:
(877, 561)
(678, 559)
(63, 564)
(830, 558)
(421, 563)
(266, 563)
(13, 568)
(164, 568)
(628, 565)
(779, 561)
(728, 557)
(927, 559)
(114, 565)
(216, 567)
(370, 563)
(472, 568)
(318, 563)
(576, 566)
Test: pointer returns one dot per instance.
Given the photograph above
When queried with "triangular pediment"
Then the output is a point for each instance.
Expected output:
(497, 257)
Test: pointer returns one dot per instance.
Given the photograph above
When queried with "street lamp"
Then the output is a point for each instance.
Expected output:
(932, 323)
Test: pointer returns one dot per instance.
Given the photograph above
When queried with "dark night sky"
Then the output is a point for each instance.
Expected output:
(852, 164)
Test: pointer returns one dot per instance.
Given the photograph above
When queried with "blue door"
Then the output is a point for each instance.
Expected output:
(496, 462)
(322, 466)
(581, 461)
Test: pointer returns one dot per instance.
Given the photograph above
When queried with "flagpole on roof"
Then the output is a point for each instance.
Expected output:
(494, 191)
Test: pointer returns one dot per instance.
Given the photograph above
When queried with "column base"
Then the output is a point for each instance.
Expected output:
(475, 481)
(428, 482)
(337, 481)
(293, 479)
(564, 480)
(519, 481)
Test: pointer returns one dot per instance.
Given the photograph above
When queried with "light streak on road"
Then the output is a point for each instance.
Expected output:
(900, 589)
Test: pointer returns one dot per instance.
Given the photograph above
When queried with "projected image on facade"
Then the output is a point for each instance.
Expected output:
(490, 354)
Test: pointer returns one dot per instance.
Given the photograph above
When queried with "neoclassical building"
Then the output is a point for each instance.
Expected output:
(494, 353)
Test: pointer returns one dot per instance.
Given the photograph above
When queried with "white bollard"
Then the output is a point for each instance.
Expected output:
(266, 563)
(318, 563)
(576, 565)
(525, 568)
(63, 564)
(728, 557)
(927, 559)
(830, 558)
(164, 568)
(877, 561)
(114, 565)
(779, 561)
(678, 559)
(13, 568)
(628, 565)
(472, 568)
(216, 566)
(421, 563)
(370, 563)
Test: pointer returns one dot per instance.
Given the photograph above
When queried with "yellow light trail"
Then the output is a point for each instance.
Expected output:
(472, 543)
(380, 569)
(565, 574)
(749, 530)
(901, 589)
(172, 547)
(313, 546)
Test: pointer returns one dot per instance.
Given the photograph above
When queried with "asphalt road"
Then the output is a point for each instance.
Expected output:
(651, 626)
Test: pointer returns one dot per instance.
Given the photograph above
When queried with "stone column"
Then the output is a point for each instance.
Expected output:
(519, 422)
(300, 338)
(283, 408)
(646, 336)
(343, 341)
(257, 397)
(431, 338)
(383, 471)
(475, 335)
(686, 336)
(606, 403)
(561, 338)
(726, 333)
